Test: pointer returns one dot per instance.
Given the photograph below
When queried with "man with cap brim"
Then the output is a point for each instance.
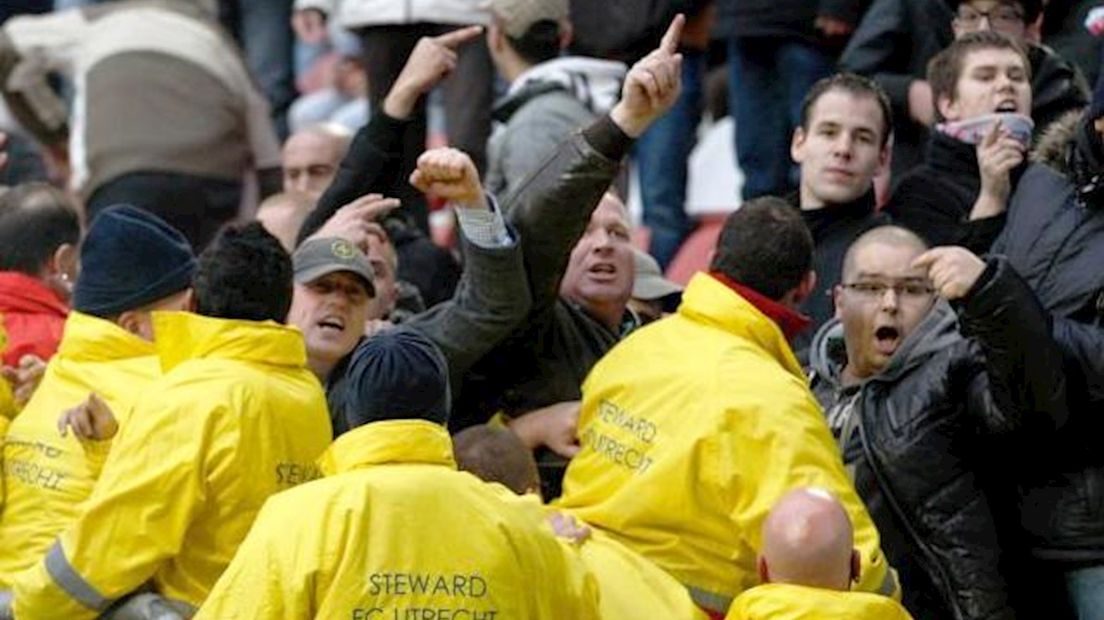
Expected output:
(133, 264)
(394, 501)
(333, 291)
(549, 95)
(653, 296)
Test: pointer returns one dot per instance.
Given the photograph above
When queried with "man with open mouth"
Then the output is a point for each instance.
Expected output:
(936, 364)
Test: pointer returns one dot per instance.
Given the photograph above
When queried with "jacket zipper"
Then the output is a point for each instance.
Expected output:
(929, 555)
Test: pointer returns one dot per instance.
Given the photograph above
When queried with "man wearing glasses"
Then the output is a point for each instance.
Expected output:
(937, 366)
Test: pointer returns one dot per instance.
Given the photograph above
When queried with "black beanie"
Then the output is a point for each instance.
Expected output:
(397, 374)
(129, 259)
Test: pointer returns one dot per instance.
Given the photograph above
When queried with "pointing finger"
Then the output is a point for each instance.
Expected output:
(671, 39)
(459, 37)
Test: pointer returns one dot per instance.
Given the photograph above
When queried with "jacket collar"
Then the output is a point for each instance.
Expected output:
(792, 323)
(181, 336)
(389, 442)
(22, 293)
(707, 299)
(821, 221)
(92, 339)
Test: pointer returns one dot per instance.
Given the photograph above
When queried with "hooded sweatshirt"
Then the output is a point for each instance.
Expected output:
(541, 109)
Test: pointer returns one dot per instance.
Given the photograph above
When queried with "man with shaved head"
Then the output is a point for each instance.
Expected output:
(807, 564)
(936, 364)
(311, 157)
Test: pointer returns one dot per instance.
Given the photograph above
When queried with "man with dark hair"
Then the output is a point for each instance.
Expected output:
(366, 541)
(958, 196)
(931, 403)
(248, 280)
(714, 394)
(39, 234)
(841, 145)
(236, 417)
(108, 352)
(777, 50)
(549, 97)
(897, 39)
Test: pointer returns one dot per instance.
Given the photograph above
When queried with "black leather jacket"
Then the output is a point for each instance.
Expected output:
(931, 439)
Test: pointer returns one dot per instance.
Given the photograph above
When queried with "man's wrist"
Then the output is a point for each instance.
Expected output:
(633, 127)
(989, 204)
(399, 103)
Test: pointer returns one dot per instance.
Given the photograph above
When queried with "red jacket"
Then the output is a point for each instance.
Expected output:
(33, 316)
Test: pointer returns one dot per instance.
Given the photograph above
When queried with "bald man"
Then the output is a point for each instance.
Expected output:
(807, 564)
(936, 362)
(807, 540)
(311, 157)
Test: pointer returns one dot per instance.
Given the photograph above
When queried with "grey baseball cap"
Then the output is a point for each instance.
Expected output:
(320, 257)
(518, 16)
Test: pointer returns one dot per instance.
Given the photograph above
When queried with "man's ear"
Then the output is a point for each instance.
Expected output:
(764, 571)
(797, 145)
(567, 34)
(856, 566)
(495, 37)
(805, 288)
(130, 320)
(948, 109)
(64, 259)
(837, 291)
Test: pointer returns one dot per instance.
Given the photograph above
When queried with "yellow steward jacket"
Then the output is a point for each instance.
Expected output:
(48, 477)
(7, 401)
(778, 601)
(690, 430)
(235, 418)
(397, 532)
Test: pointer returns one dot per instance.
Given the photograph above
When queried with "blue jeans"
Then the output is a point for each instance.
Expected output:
(1086, 592)
(662, 155)
(768, 80)
(263, 28)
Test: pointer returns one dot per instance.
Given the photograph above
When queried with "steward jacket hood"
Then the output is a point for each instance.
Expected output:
(47, 477)
(735, 402)
(397, 532)
(236, 417)
(779, 601)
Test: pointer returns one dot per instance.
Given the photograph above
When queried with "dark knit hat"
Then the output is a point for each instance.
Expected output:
(129, 259)
(397, 374)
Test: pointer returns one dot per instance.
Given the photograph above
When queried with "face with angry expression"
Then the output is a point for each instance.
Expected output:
(599, 276)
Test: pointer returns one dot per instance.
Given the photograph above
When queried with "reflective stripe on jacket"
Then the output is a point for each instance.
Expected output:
(236, 417)
(48, 477)
(779, 601)
(397, 532)
(691, 429)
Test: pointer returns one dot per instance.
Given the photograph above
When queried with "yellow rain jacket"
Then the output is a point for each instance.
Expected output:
(779, 601)
(631, 586)
(235, 418)
(691, 429)
(7, 401)
(397, 532)
(48, 477)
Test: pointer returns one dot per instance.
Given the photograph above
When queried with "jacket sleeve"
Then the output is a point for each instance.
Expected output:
(551, 207)
(1024, 382)
(157, 456)
(264, 580)
(872, 51)
(795, 450)
(371, 165)
(1081, 344)
(915, 206)
(490, 302)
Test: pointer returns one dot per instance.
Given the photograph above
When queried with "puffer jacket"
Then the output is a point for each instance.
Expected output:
(237, 418)
(395, 531)
(362, 13)
(1054, 236)
(929, 437)
(780, 601)
(47, 477)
